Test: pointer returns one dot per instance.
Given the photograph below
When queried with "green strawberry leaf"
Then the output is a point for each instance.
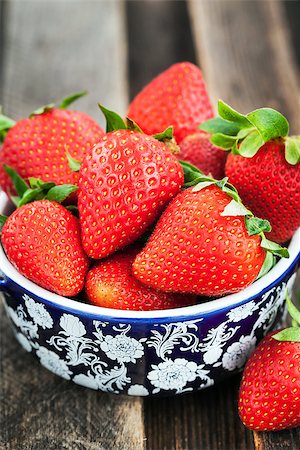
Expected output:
(66, 102)
(30, 196)
(60, 193)
(74, 164)
(226, 112)
(164, 135)
(235, 208)
(192, 175)
(270, 124)
(3, 219)
(292, 149)
(40, 184)
(255, 225)
(202, 185)
(19, 183)
(294, 313)
(5, 124)
(73, 209)
(131, 125)
(291, 334)
(268, 264)
(42, 110)
(274, 248)
(223, 141)
(219, 125)
(113, 120)
(250, 144)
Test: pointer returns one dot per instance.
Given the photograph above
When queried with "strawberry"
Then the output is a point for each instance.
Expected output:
(38, 146)
(263, 165)
(125, 182)
(42, 240)
(176, 97)
(206, 242)
(269, 397)
(198, 150)
(110, 283)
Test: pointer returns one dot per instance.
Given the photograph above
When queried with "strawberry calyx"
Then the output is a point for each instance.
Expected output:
(196, 178)
(6, 123)
(244, 135)
(63, 104)
(115, 122)
(292, 333)
(35, 189)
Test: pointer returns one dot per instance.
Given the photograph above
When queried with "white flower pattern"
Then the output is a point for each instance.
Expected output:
(138, 390)
(52, 362)
(122, 348)
(38, 312)
(72, 325)
(175, 374)
(107, 356)
(238, 353)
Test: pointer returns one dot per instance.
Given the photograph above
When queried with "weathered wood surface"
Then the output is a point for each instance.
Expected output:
(52, 49)
(81, 44)
(245, 50)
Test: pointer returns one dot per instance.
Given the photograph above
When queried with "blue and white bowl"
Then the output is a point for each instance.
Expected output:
(145, 353)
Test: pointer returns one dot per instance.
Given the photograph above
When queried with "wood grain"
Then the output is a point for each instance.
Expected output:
(52, 49)
(206, 420)
(56, 47)
(159, 35)
(245, 51)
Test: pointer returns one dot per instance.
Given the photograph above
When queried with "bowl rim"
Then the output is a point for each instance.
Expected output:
(263, 284)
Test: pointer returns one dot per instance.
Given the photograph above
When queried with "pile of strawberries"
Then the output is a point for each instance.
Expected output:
(152, 213)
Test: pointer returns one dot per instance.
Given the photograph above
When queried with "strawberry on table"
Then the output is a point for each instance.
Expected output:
(264, 164)
(206, 242)
(110, 283)
(269, 397)
(41, 238)
(198, 150)
(177, 97)
(37, 146)
(125, 182)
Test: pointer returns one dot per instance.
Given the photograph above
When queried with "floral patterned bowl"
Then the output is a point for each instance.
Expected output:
(145, 353)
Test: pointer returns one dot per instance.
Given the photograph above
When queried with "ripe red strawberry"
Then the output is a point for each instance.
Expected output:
(198, 150)
(125, 182)
(269, 396)
(176, 97)
(110, 283)
(37, 146)
(264, 165)
(42, 240)
(269, 186)
(201, 244)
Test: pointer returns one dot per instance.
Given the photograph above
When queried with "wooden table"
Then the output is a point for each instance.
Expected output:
(249, 55)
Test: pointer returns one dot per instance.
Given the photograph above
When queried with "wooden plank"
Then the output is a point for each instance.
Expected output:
(54, 48)
(246, 54)
(244, 48)
(57, 47)
(158, 35)
(206, 420)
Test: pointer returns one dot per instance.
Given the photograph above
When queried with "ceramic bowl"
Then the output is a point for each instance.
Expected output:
(145, 353)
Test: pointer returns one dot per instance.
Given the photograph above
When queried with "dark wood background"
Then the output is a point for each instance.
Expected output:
(249, 52)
